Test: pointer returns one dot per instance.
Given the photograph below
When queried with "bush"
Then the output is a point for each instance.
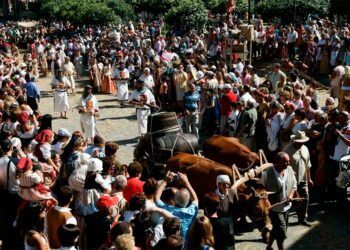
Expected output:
(187, 15)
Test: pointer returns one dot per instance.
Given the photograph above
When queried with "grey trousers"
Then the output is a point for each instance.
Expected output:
(303, 190)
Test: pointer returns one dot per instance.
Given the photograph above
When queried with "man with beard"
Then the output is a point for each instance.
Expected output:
(143, 99)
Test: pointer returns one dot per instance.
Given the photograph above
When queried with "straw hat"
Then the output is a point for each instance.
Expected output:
(300, 137)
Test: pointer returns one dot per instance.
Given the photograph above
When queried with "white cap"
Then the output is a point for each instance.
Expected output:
(227, 86)
(16, 142)
(63, 132)
(95, 165)
(199, 74)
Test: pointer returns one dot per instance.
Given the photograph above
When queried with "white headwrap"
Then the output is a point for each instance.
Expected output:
(222, 179)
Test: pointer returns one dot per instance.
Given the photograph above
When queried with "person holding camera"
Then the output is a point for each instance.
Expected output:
(183, 197)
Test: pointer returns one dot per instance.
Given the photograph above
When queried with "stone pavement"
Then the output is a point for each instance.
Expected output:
(114, 124)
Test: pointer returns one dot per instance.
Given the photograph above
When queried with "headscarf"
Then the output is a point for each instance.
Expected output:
(24, 164)
(221, 179)
(44, 136)
(23, 117)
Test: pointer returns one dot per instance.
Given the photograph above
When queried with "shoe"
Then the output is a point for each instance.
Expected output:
(305, 223)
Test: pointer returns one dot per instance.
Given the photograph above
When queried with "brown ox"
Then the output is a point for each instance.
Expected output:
(202, 175)
(229, 151)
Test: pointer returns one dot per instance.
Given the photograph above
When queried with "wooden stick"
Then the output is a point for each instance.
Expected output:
(284, 201)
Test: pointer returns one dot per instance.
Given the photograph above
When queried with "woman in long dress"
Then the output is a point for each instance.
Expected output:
(107, 82)
(96, 75)
(60, 85)
(88, 111)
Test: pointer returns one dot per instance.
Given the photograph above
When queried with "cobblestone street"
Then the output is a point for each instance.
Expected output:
(114, 123)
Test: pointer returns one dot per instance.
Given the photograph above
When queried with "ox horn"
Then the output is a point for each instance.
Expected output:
(252, 173)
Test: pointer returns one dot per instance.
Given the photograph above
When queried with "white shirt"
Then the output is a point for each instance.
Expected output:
(292, 36)
(148, 81)
(13, 182)
(341, 148)
(339, 73)
(239, 68)
(282, 180)
(145, 92)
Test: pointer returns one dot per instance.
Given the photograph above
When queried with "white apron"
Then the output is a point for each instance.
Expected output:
(88, 125)
(61, 103)
(123, 91)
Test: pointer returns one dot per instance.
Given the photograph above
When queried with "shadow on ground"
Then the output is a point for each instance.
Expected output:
(129, 117)
(332, 230)
(127, 141)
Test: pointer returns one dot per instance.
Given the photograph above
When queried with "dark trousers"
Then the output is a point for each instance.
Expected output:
(279, 223)
(303, 191)
(291, 50)
(8, 210)
(32, 102)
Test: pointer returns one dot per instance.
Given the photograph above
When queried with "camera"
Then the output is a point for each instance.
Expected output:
(176, 177)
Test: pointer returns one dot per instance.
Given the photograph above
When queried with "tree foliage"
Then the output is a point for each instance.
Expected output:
(184, 14)
(122, 9)
(215, 6)
(286, 7)
(187, 14)
(79, 11)
(155, 7)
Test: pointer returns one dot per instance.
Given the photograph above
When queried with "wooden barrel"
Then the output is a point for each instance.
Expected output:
(163, 121)
(171, 143)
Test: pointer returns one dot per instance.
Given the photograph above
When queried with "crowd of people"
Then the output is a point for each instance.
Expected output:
(58, 192)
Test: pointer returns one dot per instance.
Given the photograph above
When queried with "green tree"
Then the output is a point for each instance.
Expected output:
(216, 6)
(79, 11)
(286, 7)
(156, 7)
(122, 9)
(187, 15)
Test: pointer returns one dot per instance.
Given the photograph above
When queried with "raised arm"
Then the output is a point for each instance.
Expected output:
(168, 178)
(193, 194)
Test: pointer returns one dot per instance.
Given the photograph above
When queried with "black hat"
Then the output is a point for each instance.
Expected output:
(88, 86)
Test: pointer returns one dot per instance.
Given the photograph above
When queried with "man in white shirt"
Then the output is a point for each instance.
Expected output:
(280, 180)
(9, 199)
(337, 79)
(292, 37)
(342, 147)
(239, 68)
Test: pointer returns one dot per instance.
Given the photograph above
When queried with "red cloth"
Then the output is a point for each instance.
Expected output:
(133, 186)
(24, 164)
(23, 117)
(225, 103)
